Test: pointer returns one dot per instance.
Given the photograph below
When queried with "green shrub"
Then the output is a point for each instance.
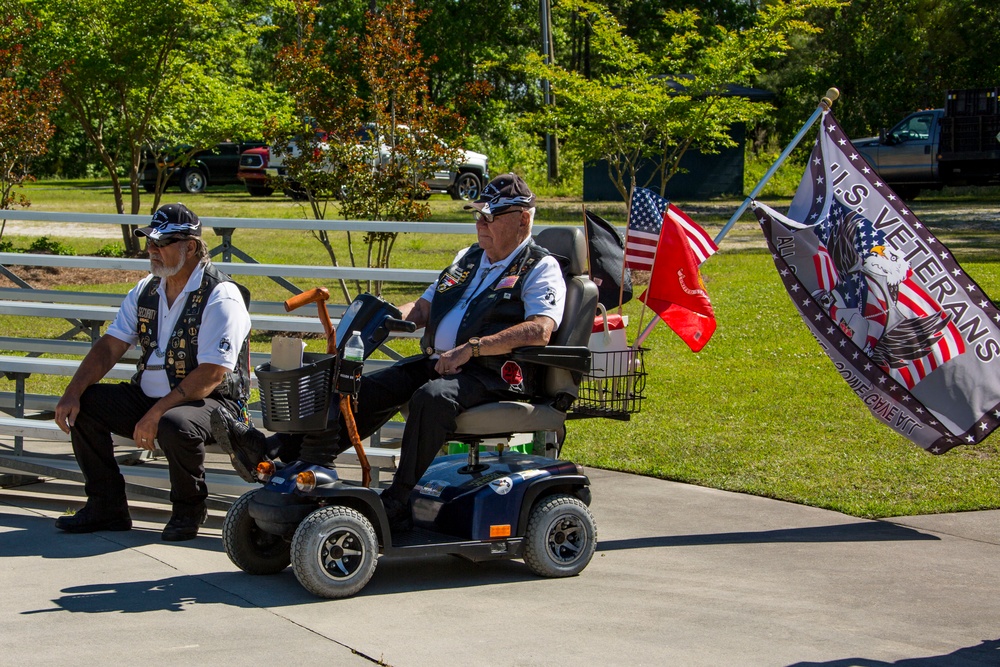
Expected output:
(111, 250)
(46, 245)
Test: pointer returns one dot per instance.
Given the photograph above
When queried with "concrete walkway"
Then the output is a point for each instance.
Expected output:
(683, 575)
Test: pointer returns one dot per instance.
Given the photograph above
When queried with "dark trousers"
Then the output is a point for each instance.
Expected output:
(182, 434)
(435, 402)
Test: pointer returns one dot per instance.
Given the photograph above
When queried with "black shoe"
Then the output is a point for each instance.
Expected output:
(244, 444)
(398, 513)
(183, 527)
(88, 520)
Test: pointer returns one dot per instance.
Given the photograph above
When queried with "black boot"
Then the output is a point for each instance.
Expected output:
(244, 444)
(184, 526)
(396, 502)
(89, 519)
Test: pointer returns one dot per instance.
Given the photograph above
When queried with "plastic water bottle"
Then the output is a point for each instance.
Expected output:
(351, 365)
(355, 348)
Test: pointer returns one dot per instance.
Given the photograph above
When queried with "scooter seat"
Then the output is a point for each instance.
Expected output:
(509, 417)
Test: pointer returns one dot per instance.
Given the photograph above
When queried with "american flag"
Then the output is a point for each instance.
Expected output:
(644, 225)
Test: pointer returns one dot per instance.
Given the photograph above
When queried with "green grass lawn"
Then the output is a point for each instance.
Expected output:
(760, 410)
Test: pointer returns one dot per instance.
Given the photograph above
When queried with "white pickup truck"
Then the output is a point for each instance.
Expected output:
(263, 170)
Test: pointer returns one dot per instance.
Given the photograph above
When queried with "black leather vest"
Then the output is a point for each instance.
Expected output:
(496, 308)
(181, 355)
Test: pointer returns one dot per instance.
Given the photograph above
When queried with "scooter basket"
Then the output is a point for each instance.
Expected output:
(615, 386)
(297, 400)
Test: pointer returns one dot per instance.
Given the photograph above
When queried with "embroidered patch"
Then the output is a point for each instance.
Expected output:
(550, 296)
(225, 346)
(449, 280)
(512, 374)
(507, 282)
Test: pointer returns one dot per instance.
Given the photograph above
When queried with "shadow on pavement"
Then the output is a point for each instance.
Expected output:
(865, 531)
(985, 653)
(33, 535)
(133, 597)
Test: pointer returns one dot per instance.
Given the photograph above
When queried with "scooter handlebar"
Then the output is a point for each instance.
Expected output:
(315, 295)
(393, 324)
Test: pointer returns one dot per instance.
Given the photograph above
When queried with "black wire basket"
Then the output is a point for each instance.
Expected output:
(297, 400)
(615, 386)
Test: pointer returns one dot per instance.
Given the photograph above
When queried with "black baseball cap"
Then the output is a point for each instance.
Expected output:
(502, 193)
(172, 221)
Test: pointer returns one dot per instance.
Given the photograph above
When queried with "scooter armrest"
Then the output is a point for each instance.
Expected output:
(574, 358)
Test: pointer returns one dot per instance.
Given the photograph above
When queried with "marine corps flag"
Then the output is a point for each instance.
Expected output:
(676, 292)
(911, 333)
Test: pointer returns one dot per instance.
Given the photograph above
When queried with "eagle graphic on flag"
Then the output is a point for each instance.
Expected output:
(909, 331)
(874, 299)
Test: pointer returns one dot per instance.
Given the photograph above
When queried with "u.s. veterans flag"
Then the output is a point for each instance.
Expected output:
(911, 333)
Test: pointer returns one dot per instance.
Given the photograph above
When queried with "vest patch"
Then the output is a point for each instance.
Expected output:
(507, 282)
(451, 278)
(512, 374)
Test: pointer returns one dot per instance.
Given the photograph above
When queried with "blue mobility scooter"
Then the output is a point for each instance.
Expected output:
(493, 505)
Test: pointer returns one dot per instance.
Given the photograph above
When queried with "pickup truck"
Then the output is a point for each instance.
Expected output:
(262, 170)
(929, 149)
(214, 166)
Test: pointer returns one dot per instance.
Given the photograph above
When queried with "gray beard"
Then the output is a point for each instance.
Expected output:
(168, 271)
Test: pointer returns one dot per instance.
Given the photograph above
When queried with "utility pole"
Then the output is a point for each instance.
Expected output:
(551, 142)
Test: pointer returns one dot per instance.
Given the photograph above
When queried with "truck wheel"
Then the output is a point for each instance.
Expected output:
(250, 548)
(561, 537)
(259, 191)
(334, 552)
(193, 181)
(467, 187)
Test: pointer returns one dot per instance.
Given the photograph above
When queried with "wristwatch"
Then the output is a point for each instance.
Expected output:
(474, 342)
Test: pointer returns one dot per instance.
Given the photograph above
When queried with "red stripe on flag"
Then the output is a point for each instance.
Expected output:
(701, 243)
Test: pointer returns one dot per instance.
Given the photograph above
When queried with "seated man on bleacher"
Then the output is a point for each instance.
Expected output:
(192, 324)
(503, 293)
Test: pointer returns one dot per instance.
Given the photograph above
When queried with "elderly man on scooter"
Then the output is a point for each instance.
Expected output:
(502, 293)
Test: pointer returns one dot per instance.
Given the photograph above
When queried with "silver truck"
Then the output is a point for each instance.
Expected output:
(929, 149)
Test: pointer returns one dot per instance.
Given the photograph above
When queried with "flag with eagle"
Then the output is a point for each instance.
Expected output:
(911, 333)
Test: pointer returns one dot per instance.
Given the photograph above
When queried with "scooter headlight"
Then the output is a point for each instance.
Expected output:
(305, 481)
(265, 471)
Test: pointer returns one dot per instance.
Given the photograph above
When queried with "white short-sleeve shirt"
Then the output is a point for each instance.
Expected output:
(543, 293)
(225, 323)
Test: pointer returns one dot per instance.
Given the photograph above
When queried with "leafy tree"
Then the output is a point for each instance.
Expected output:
(381, 135)
(205, 112)
(888, 58)
(657, 105)
(128, 59)
(25, 106)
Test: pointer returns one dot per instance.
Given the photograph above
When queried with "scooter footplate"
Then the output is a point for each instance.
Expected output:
(423, 537)
(422, 542)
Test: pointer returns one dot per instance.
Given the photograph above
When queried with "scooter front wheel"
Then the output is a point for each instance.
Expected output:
(334, 552)
(250, 548)
(561, 537)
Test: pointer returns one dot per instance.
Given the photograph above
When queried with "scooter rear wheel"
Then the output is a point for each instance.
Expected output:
(250, 548)
(334, 552)
(561, 537)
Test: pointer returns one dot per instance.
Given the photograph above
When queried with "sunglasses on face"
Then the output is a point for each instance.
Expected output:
(161, 243)
(482, 216)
